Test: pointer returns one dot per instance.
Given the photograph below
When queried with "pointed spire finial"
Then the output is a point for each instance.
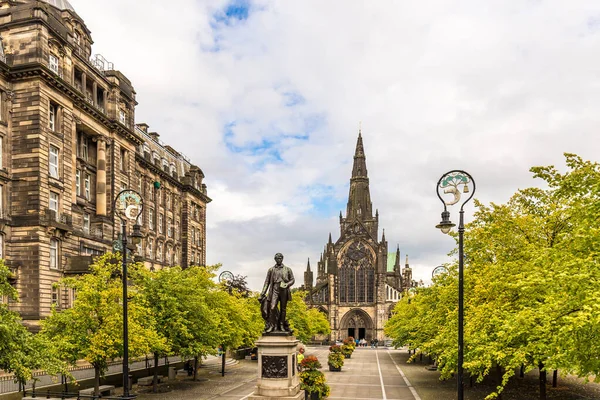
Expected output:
(407, 260)
(397, 262)
(330, 241)
(308, 265)
(359, 127)
(383, 236)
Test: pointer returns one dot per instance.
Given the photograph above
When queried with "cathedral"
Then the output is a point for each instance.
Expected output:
(358, 282)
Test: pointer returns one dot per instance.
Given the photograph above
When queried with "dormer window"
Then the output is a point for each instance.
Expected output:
(123, 117)
(165, 165)
(53, 63)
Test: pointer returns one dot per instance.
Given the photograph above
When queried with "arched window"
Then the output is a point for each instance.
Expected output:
(357, 274)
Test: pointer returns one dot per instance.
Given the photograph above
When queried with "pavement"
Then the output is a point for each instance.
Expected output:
(370, 374)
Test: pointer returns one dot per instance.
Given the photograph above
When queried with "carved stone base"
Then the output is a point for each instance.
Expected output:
(277, 369)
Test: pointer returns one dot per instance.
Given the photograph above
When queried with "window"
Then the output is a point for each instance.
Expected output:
(78, 182)
(169, 227)
(87, 183)
(151, 218)
(150, 249)
(160, 223)
(53, 202)
(176, 229)
(193, 235)
(123, 117)
(159, 251)
(1, 148)
(52, 117)
(86, 223)
(85, 150)
(168, 200)
(88, 251)
(76, 38)
(165, 166)
(53, 162)
(54, 254)
(123, 160)
(54, 296)
(123, 186)
(53, 63)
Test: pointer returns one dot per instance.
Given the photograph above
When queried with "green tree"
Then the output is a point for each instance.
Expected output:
(305, 322)
(531, 284)
(21, 352)
(92, 329)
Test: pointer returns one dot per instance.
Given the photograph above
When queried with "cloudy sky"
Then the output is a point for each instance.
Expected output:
(266, 97)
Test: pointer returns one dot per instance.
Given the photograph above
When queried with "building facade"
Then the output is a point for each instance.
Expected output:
(68, 146)
(358, 282)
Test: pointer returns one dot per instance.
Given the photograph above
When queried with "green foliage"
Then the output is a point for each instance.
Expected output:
(531, 284)
(92, 329)
(21, 352)
(336, 357)
(305, 322)
(311, 379)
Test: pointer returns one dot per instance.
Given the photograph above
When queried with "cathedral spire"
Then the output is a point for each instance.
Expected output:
(308, 265)
(359, 198)
(383, 236)
(406, 261)
(330, 241)
(397, 263)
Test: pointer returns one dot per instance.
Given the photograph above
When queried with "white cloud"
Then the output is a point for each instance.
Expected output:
(490, 87)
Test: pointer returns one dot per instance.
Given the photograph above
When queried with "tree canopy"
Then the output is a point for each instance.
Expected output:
(531, 283)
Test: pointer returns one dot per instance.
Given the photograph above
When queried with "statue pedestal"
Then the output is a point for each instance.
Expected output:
(277, 368)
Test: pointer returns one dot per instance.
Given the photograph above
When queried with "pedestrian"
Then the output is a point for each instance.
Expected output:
(300, 358)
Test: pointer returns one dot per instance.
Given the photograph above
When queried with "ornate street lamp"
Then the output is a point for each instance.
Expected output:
(128, 206)
(456, 182)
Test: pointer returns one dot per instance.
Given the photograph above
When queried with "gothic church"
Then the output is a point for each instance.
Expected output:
(355, 287)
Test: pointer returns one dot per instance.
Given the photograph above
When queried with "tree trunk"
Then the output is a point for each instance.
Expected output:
(555, 378)
(499, 379)
(195, 367)
(522, 371)
(97, 381)
(223, 362)
(155, 380)
(542, 382)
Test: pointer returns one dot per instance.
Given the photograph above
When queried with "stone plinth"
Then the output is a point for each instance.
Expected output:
(277, 372)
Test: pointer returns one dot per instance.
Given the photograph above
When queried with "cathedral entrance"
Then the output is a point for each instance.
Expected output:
(358, 324)
(361, 333)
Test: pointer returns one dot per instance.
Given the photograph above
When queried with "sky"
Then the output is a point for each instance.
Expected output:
(266, 97)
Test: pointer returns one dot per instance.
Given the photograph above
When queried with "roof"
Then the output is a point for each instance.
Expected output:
(60, 4)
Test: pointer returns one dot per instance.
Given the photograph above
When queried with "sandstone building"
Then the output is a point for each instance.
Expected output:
(358, 282)
(68, 146)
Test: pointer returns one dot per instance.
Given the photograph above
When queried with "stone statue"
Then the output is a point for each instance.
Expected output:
(278, 282)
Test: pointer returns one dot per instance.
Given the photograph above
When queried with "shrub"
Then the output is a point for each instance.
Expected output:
(311, 379)
(335, 359)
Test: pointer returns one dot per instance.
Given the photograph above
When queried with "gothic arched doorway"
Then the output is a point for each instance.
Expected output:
(358, 324)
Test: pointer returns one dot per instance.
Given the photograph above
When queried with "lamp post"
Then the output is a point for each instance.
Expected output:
(128, 206)
(451, 183)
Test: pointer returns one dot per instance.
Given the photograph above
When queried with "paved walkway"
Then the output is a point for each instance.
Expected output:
(369, 374)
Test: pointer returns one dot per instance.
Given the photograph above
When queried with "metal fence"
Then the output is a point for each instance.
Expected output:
(40, 379)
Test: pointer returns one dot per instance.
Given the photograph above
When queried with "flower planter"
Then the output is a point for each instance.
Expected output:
(334, 369)
(311, 396)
